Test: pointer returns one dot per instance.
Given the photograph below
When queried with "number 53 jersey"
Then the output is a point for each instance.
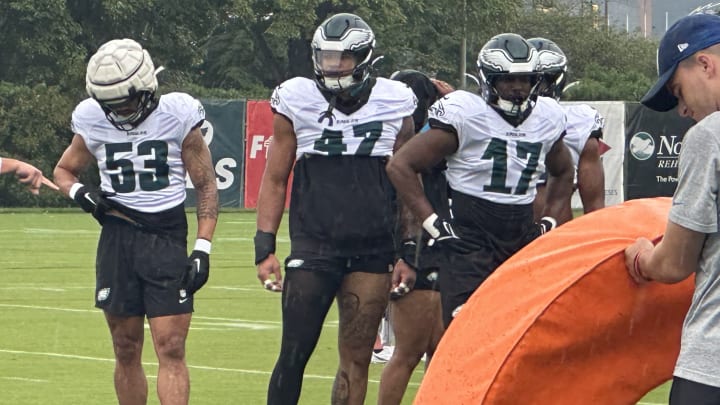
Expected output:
(142, 166)
(342, 202)
(494, 160)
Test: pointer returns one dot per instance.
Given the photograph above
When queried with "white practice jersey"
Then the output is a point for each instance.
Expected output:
(143, 166)
(582, 120)
(495, 160)
(369, 131)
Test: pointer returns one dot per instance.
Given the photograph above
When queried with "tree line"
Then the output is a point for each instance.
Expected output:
(244, 48)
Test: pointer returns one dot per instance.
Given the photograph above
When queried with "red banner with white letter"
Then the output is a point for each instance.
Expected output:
(258, 135)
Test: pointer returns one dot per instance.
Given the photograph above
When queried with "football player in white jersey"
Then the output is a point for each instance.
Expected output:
(26, 174)
(583, 135)
(143, 145)
(415, 313)
(496, 145)
(338, 131)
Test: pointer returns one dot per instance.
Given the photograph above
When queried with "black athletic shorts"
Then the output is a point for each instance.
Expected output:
(427, 279)
(139, 272)
(489, 233)
(340, 266)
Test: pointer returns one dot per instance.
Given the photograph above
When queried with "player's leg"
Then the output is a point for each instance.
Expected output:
(416, 317)
(118, 294)
(362, 300)
(686, 392)
(127, 337)
(169, 334)
(161, 263)
(308, 292)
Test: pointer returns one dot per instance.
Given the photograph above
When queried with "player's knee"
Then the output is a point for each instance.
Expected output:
(171, 348)
(127, 350)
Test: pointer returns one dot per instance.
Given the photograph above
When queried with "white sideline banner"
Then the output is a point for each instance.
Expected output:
(614, 136)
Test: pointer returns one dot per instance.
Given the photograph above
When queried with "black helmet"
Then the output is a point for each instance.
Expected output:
(424, 90)
(503, 55)
(552, 64)
(339, 38)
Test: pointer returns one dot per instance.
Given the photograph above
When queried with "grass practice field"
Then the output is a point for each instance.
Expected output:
(55, 347)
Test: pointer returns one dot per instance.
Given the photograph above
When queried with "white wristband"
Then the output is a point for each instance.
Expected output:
(429, 227)
(74, 189)
(203, 245)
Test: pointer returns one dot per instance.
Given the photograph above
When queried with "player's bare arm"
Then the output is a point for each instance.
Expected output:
(674, 259)
(561, 171)
(271, 201)
(406, 132)
(404, 275)
(422, 152)
(281, 157)
(72, 163)
(198, 163)
(591, 177)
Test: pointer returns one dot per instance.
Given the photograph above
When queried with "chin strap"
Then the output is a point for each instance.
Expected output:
(328, 113)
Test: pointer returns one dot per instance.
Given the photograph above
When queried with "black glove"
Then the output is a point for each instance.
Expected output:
(439, 230)
(198, 271)
(543, 226)
(546, 224)
(93, 201)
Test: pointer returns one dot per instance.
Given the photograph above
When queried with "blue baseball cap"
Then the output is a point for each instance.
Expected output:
(687, 36)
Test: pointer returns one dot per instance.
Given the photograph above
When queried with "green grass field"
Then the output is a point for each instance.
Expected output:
(55, 347)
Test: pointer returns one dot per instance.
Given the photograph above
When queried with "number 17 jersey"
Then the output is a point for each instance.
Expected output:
(494, 160)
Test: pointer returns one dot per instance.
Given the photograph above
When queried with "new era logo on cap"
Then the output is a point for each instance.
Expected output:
(687, 36)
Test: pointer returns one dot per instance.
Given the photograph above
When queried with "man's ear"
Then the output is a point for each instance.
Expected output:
(708, 63)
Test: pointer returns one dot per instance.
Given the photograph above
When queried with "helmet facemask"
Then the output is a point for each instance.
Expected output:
(127, 113)
(121, 77)
(512, 102)
(341, 71)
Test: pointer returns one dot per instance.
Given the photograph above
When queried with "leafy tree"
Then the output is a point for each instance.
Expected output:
(38, 43)
(33, 127)
(609, 64)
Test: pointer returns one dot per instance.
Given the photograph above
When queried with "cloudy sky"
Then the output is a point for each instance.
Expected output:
(626, 14)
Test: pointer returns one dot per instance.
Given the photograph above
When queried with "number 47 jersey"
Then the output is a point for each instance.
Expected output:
(494, 160)
(369, 131)
(142, 166)
(342, 202)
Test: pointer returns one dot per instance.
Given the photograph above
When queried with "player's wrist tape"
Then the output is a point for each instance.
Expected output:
(74, 189)
(408, 252)
(429, 225)
(264, 245)
(203, 245)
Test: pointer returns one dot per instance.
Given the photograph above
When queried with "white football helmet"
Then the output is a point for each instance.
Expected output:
(342, 52)
(122, 78)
